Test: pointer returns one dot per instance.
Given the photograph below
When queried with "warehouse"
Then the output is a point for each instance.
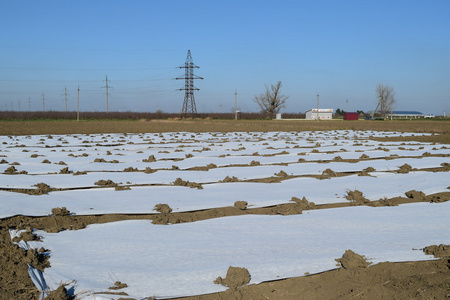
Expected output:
(399, 114)
(322, 114)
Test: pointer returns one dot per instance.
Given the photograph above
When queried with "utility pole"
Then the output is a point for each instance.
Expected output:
(78, 104)
(43, 103)
(65, 96)
(235, 104)
(317, 106)
(189, 107)
(107, 87)
(29, 104)
(19, 104)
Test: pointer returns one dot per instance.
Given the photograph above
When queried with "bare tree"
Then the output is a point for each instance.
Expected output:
(272, 100)
(386, 99)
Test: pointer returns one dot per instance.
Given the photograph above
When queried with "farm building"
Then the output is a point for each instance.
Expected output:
(400, 114)
(322, 114)
(351, 116)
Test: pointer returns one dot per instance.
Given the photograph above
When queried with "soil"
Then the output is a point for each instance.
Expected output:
(351, 260)
(241, 204)
(355, 279)
(357, 197)
(438, 251)
(236, 277)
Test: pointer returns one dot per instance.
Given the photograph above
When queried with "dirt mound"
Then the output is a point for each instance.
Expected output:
(59, 294)
(351, 260)
(369, 169)
(241, 204)
(328, 173)
(438, 251)
(229, 179)
(65, 171)
(181, 182)
(446, 166)
(281, 174)
(255, 163)
(163, 208)
(108, 183)
(42, 188)
(404, 169)
(416, 195)
(118, 285)
(131, 169)
(12, 170)
(149, 170)
(303, 203)
(236, 277)
(60, 211)
(357, 197)
(151, 158)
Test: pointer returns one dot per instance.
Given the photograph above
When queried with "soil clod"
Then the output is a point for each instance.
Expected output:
(60, 211)
(42, 188)
(438, 251)
(404, 169)
(241, 205)
(351, 260)
(303, 203)
(59, 294)
(118, 285)
(163, 208)
(236, 277)
(417, 195)
(108, 183)
(357, 197)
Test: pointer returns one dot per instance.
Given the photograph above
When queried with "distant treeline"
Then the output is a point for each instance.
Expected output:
(61, 115)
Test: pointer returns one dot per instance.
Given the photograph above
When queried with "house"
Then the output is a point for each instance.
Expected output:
(321, 114)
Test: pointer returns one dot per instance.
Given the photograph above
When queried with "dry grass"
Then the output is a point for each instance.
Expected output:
(441, 127)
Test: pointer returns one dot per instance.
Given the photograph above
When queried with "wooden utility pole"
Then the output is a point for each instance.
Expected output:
(78, 104)
(43, 103)
(347, 104)
(29, 104)
(235, 105)
(19, 105)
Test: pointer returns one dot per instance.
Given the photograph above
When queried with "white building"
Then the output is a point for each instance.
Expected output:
(323, 114)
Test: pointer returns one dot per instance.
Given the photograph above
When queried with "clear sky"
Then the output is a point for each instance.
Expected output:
(339, 49)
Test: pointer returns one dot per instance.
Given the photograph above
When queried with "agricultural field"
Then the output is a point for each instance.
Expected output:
(224, 210)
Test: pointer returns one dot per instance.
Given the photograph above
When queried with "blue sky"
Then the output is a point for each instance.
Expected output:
(339, 49)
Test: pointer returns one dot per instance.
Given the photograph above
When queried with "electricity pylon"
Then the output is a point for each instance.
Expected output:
(189, 108)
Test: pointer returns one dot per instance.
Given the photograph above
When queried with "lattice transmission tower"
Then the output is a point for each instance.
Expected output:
(189, 108)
